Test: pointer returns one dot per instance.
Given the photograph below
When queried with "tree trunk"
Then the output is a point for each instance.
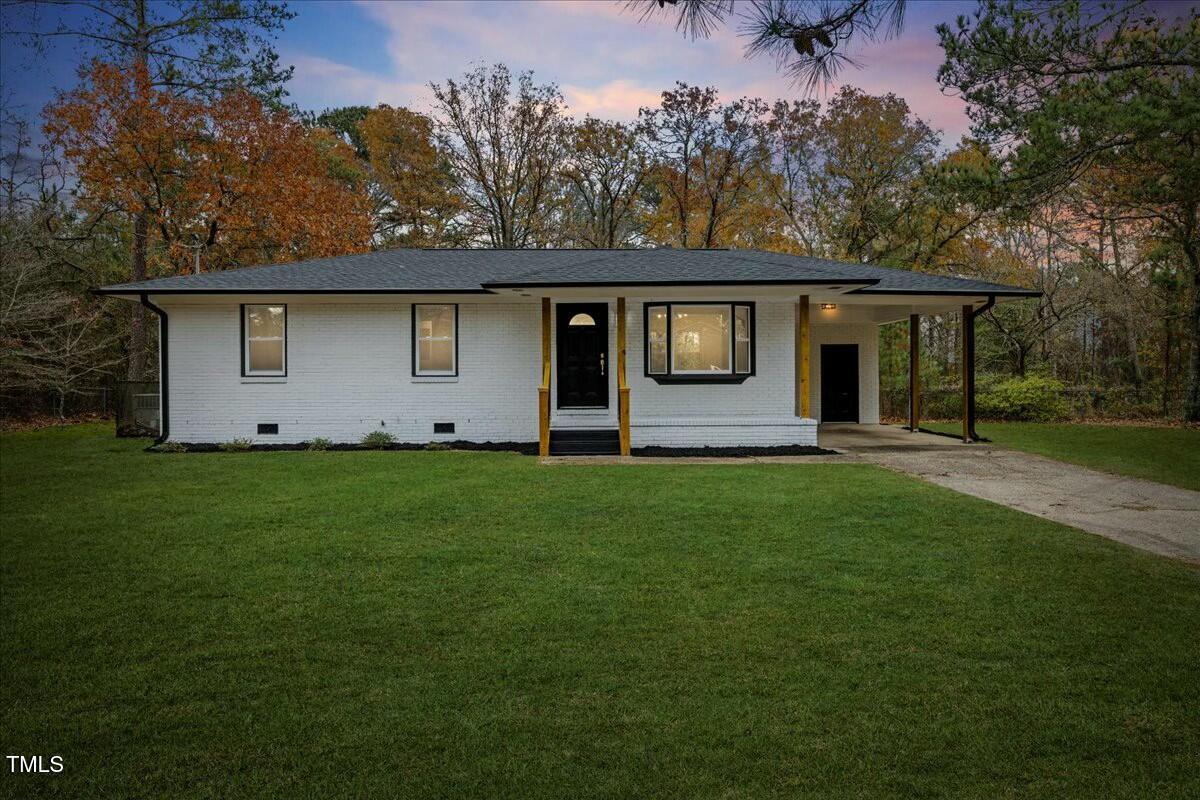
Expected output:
(1191, 403)
(1166, 368)
(137, 328)
(1131, 337)
(141, 224)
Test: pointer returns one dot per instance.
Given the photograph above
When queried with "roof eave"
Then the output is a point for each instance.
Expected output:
(949, 292)
(135, 291)
(602, 284)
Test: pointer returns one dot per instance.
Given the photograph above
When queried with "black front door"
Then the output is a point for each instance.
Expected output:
(839, 383)
(582, 355)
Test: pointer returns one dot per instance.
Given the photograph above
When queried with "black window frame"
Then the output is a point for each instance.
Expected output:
(245, 342)
(413, 360)
(692, 377)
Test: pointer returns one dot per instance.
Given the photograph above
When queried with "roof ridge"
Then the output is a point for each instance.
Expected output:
(835, 278)
(610, 254)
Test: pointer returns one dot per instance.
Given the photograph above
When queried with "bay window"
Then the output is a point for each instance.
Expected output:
(699, 342)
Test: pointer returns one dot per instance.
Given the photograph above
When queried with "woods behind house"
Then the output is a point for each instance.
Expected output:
(1081, 182)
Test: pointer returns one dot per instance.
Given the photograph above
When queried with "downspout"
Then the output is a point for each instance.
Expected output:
(164, 428)
(991, 301)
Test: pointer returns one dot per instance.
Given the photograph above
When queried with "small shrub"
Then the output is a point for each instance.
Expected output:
(170, 447)
(320, 444)
(237, 445)
(1033, 398)
(377, 440)
(437, 446)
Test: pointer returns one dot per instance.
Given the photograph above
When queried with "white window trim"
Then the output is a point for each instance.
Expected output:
(651, 340)
(248, 371)
(418, 372)
(739, 339)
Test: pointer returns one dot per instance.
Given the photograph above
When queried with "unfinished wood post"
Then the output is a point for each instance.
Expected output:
(914, 372)
(544, 388)
(622, 385)
(803, 384)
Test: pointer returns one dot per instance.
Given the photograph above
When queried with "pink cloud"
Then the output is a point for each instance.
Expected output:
(619, 100)
(330, 84)
(606, 61)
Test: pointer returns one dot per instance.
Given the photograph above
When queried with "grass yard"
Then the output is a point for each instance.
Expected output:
(475, 625)
(1166, 455)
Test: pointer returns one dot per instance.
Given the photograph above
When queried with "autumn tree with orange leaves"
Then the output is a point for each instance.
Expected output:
(242, 183)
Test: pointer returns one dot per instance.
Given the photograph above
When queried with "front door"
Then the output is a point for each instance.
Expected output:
(582, 355)
(839, 383)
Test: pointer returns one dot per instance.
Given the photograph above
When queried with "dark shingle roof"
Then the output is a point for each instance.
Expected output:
(480, 271)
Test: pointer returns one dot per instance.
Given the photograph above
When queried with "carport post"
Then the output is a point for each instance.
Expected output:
(968, 372)
(969, 313)
(914, 372)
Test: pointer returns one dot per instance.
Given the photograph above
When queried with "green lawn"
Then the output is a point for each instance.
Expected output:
(1167, 455)
(476, 625)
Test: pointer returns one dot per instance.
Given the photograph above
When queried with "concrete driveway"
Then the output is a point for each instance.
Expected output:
(1151, 516)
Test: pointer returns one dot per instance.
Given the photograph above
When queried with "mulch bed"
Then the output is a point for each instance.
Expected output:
(525, 448)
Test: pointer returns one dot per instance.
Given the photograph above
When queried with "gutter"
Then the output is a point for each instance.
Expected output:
(992, 294)
(680, 283)
(164, 427)
(135, 290)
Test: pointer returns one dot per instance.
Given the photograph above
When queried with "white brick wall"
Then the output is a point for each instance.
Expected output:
(349, 373)
(867, 338)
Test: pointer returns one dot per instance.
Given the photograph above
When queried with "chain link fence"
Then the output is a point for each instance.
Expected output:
(24, 404)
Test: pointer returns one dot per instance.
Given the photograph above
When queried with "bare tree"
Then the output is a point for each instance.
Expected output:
(606, 167)
(505, 152)
(50, 338)
(791, 137)
(706, 156)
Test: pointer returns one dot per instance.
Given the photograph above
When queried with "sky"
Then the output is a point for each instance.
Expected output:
(606, 62)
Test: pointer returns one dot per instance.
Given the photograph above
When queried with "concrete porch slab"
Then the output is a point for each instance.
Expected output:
(851, 437)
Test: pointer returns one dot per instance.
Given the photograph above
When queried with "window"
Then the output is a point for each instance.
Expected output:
(435, 340)
(582, 321)
(741, 339)
(699, 342)
(264, 351)
(657, 340)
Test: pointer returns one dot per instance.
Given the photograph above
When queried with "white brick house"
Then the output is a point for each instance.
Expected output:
(576, 349)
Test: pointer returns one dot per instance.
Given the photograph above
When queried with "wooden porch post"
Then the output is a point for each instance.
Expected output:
(914, 372)
(968, 372)
(544, 388)
(622, 385)
(803, 384)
